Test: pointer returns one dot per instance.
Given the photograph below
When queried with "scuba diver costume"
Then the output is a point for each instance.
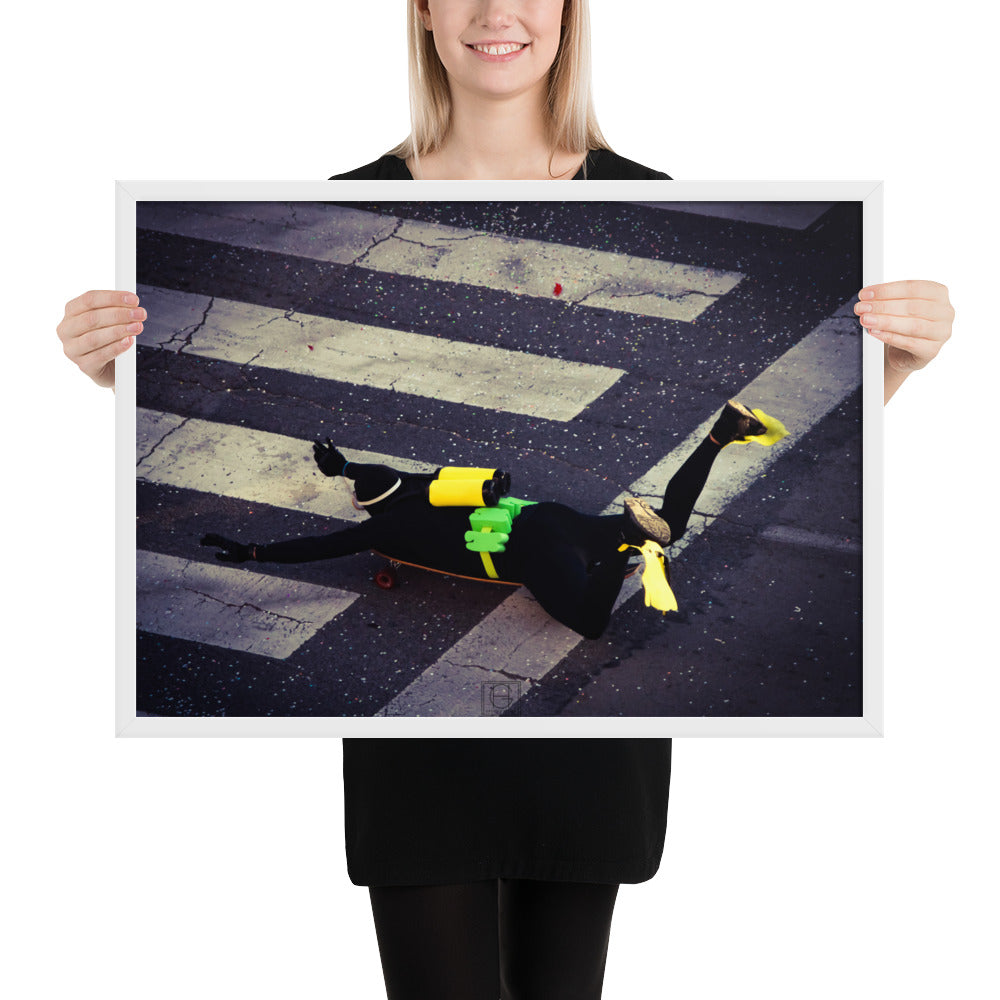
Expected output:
(572, 563)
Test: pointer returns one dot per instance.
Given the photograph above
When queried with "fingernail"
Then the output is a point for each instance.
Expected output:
(863, 308)
(130, 300)
(127, 342)
(866, 293)
(133, 327)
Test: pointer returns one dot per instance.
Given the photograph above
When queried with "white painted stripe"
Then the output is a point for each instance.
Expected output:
(315, 231)
(432, 367)
(800, 388)
(780, 214)
(802, 539)
(333, 233)
(247, 464)
(231, 607)
(518, 641)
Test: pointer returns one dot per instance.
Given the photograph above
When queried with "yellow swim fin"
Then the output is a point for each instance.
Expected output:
(654, 577)
(774, 430)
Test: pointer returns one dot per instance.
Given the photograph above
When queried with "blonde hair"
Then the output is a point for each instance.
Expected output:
(572, 123)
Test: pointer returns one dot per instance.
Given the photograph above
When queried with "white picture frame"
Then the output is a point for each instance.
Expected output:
(745, 207)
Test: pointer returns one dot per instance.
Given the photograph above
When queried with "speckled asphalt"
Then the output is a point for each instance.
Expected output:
(770, 593)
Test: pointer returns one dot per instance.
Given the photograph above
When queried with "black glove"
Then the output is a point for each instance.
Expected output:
(232, 552)
(329, 460)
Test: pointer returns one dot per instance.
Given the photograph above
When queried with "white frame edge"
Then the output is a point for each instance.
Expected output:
(870, 723)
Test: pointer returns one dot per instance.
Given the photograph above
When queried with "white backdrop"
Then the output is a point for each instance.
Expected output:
(215, 868)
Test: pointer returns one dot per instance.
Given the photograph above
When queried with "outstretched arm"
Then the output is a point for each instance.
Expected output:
(357, 538)
(912, 318)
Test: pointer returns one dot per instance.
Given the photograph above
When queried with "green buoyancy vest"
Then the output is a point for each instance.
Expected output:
(491, 528)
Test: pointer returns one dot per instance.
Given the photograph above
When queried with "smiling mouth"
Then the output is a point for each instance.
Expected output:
(503, 49)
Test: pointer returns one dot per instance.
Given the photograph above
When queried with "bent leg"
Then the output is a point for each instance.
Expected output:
(685, 487)
(736, 422)
(438, 941)
(554, 939)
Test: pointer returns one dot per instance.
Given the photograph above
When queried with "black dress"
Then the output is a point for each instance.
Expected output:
(437, 811)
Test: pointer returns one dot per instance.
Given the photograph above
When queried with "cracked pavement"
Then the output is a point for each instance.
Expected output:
(768, 620)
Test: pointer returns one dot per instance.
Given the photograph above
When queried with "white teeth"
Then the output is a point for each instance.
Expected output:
(499, 50)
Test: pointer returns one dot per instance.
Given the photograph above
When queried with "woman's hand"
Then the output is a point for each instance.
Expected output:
(96, 328)
(912, 318)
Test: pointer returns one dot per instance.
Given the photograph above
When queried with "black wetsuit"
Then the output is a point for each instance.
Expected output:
(569, 560)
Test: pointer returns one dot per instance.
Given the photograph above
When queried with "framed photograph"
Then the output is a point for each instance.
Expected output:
(499, 459)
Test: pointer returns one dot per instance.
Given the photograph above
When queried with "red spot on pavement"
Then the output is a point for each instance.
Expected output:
(557, 290)
(310, 346)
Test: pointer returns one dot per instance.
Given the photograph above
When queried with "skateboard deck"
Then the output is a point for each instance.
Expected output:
(386, 577)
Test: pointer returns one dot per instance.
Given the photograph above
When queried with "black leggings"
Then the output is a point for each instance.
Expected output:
(512, 939)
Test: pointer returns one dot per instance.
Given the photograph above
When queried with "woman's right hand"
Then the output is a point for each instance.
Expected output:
(96, 328)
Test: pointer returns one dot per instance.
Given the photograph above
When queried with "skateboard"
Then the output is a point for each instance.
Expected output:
(387, 576)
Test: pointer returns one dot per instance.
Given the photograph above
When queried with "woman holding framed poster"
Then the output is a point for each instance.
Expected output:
(481, 73)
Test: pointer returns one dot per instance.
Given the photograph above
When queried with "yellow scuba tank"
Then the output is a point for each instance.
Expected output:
(466, 472)
(462, 486)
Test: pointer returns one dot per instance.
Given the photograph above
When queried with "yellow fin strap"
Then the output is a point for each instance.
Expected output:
(774, 430)
(654, 577)
(491, 570)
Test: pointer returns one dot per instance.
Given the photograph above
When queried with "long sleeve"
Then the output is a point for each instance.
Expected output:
(357, 538)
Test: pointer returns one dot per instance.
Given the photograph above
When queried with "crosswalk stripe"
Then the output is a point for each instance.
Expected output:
(433, 367)
(231, 607)
(795, 215)
(518, 642)
(246, 464)
(800, 538)
(593, 278)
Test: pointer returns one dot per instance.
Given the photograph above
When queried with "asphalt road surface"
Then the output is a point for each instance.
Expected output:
(586, 348)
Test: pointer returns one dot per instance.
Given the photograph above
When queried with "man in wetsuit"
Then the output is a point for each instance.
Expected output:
(572, 563)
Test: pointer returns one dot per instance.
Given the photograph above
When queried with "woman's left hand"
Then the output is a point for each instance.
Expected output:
(912, 318)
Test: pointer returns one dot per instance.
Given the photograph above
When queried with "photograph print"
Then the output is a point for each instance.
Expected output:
(443, 458)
